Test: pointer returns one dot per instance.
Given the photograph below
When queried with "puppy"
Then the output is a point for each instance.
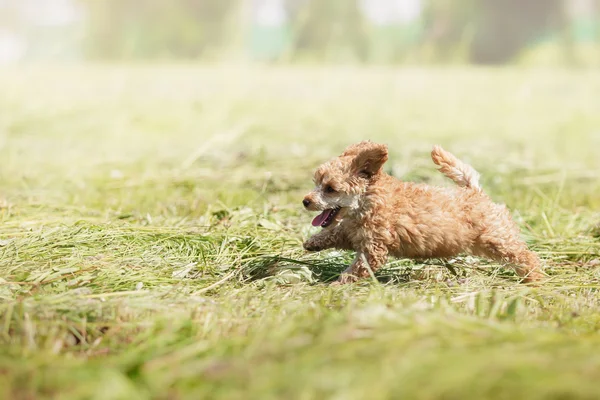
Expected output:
(368, 211)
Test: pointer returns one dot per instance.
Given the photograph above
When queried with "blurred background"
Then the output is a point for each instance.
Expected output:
(547, 32)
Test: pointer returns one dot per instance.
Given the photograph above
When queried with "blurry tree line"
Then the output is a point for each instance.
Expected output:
(481, 31)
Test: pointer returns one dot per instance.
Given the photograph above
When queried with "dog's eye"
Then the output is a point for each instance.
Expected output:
(329, 189)
(365, 174)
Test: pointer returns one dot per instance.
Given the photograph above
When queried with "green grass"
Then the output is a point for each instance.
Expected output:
(151, 230)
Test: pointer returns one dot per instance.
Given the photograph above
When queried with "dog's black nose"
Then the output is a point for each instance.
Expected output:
(306, 202)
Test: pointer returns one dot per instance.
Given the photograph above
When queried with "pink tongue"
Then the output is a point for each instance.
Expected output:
(319, 219)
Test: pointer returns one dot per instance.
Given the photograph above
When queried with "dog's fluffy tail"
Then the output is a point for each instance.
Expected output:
(462, 174)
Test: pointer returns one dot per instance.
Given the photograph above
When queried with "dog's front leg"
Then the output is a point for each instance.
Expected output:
(327, 239)
(365, 264)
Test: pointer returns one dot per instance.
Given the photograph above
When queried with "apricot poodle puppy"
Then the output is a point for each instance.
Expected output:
(368, 211)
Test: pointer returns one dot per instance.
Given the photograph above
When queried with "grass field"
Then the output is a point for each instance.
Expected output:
(151, 230)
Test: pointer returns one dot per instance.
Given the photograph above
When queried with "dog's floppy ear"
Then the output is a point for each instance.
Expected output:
(369, 157)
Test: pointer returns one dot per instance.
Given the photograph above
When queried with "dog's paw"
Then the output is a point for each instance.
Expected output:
(309, 245)
(345, 278)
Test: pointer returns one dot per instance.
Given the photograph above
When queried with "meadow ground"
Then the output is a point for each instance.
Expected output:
(151, 230)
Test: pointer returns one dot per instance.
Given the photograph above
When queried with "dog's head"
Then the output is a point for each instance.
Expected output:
(340, 183)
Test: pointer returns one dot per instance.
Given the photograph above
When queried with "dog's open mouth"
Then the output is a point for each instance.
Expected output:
(326, 217)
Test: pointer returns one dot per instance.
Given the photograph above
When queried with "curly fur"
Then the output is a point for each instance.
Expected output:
(382, 216)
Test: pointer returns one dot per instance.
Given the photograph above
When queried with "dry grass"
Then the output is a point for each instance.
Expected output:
(151, 227)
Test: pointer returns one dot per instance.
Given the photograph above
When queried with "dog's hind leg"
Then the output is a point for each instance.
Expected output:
(513, 252)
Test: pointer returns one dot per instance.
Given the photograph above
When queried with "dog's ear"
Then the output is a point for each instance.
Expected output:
(368, 159)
